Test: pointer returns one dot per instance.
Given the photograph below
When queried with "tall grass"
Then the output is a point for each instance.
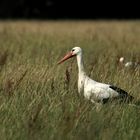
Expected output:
(39, 99)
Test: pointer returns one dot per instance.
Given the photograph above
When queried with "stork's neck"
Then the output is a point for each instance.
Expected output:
(80, 63)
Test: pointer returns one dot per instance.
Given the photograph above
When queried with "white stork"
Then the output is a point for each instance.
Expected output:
(129, 64)
(94, 91)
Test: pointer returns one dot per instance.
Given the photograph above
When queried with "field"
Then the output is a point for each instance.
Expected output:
(39, 99)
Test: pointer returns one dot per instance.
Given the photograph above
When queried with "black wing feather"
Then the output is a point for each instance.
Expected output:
(122, 94)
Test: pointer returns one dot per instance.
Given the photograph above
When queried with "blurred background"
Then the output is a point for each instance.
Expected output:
(68, 9)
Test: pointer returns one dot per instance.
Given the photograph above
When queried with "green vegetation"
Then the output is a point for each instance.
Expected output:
(39, 99)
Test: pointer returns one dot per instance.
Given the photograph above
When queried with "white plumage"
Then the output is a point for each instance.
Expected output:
(94, 91)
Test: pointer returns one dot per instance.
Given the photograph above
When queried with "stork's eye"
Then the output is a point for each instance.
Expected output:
(73, 50)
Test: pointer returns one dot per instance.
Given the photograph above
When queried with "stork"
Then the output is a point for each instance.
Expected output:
(94, 91)
(129, 64)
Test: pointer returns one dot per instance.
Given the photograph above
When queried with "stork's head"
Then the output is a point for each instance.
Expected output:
(121, 59)
(75, 51)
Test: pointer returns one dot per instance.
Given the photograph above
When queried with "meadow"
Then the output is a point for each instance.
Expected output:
(39, 99)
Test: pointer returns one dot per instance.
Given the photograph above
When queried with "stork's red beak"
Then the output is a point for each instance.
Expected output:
(67, 56)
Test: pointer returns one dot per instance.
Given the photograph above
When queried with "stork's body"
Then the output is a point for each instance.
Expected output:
(92, 90)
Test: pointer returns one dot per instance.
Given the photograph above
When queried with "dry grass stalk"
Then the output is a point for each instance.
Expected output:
(3, 57)
(32, 120)
(67, 77)
(10, 85)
